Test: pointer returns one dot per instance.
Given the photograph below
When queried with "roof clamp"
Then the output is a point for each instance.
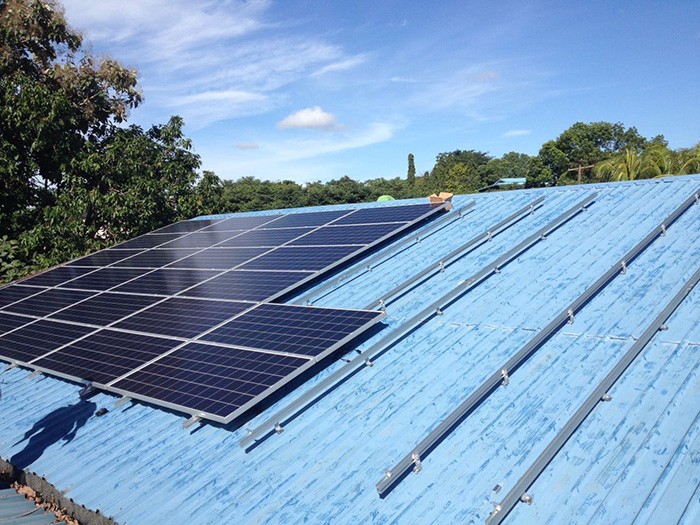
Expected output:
(417, 465)
(382, 305)
(278, 428)
(663, 327)
(369, 268)
(532, 209)
(191, 421)
(623, 264)
(496, 270)
(697, 198)
(571, 316)
(121, 401)
(489, 236)
(663, 230)
(369, 363)
(418, 239)
(442, 267)
(438, 311)
(35, 373)
(543, 237)
(526, 498)
(606, 398)
(505, 377)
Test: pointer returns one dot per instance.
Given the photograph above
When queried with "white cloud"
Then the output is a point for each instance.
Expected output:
(517, 132)
(309, 118)
(342, 65)
(247, 146)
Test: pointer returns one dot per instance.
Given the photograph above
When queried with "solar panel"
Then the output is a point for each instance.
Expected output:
(304, 330)
(9, 322)
(150, 240)
(166, 282)
(155, 258)
(186, 226)
(57, 276)
(31, 341)
(48, 302)
(210, 379)
(104, 258)
(200, 240)
(105, 308)
(219, 258)
(104, 279)
(242, 223)
(318, 218)
(105, 355)
(270, 238)
(179, 317)
(14, 292)
(343, 235)
(246, 285)
(387, 214)
(311, 258)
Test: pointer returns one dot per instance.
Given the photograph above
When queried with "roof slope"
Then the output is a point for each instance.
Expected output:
(633, 460)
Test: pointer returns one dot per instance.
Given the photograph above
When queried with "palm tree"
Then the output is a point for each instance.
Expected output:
(627, 165)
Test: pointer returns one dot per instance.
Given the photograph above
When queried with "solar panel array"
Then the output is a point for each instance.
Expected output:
(182, 317)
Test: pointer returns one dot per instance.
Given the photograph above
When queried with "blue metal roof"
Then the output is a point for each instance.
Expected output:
(15, 509)
(635, 459)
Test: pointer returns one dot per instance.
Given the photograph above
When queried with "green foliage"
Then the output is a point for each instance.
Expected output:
(411, 175)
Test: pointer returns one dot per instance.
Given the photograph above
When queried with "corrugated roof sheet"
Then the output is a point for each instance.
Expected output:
(634, 460)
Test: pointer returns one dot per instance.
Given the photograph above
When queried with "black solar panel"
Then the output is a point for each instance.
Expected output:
(105, 308)
(318, 218)
(270, 238)
(105, 355)
(246, 286)
(200, 240)
(166, 282)
(155, 258)
(186, 226)
(219, 258)
(311, 258)
(286, 328)
(10, 322)
(57, 276)
(13, 293)
(31, 341)
(387, 214)
(48, 302)
(210, 379)
(150, 240)
(105, 278)
(180, 317)
(344, 235)
(242, 223)
(104, 258)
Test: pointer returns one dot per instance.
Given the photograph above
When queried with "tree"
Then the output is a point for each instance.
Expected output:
(627, 165)
(411, 176)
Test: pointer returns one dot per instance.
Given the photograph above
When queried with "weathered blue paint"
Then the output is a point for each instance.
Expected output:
(635, 459)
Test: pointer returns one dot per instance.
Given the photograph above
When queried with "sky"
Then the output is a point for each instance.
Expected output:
(315, 90)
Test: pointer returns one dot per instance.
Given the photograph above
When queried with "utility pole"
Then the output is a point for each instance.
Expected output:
(580, 169)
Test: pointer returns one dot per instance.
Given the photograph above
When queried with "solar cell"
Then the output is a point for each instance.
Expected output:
(104, 258)
(105, 278)
(307, 219)
(105, 355)
(242, 223)
(246, 285)
(150, 240)
(31, 341)
(180, 317)
(271, 238)
(13, 293)
(48, 302)
(345, 235)
(311, 258)
(186, 226)
(10, 322)
(387, 214)
(155, 258)
(166, 282)
(210, 379)
(57, 276)
(287, 328)
(201, 240)
(219, 258)
(105, 308)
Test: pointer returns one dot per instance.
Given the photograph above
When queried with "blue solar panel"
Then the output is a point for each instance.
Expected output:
(105, 278)
(150, 240)
(105, 308)
(345, 235)
(271, 238)
(39, 338)
(387, 214)
(310, 258)
(246, 285)
(180, 317)
(186, 226)
(287, 328)
(57, 276)
(219, 258)
(242, 223)
(210, 379)
(318, 218)
(166, 282)
(104, 258)
(106, 355)
(9, 322)
(13, 293)
(48, 302)
(200, 240)
(155, 258)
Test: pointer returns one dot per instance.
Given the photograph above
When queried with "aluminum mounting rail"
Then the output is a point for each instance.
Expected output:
(464, 249)
(384, 255)
(502, 375)
(518, 492)
(275, 422)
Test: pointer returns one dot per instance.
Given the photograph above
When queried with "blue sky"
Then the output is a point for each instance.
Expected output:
(316, 90)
